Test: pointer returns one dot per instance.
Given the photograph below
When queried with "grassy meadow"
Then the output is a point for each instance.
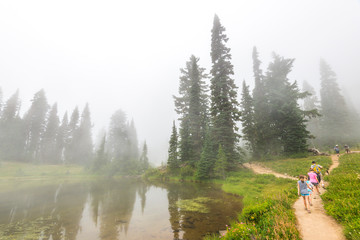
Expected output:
(268, 200)
(14, 174)
(267, 212)
(342, 197)
(297, 166)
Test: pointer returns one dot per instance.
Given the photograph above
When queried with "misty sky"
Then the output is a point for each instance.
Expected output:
(127, 54)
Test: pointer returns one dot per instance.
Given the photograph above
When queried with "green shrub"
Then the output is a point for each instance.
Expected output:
(255, 212)
(187, 171)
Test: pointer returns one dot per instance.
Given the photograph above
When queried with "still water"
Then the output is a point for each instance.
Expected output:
(109, 210)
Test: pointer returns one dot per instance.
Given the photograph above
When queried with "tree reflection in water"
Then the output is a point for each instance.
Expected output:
(113, 209)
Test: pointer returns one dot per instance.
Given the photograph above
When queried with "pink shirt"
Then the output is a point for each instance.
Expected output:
(313, 177)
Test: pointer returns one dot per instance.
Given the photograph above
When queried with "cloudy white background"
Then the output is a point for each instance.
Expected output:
(127, 54)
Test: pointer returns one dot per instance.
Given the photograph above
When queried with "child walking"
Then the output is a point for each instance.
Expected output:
(303, 190)
(310, 190)
(314, 180)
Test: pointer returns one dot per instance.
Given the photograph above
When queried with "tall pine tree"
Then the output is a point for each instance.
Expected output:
(335, 116)
(70, 139)
(12, 132)
(287, 120)
(262, 127)
(224, 106)
(83, 153)
(191, 106)
(133, 145)
(35, 120)
(61, 138)
(101, 157)
(247, 117)
(311, 102)
(48, 146)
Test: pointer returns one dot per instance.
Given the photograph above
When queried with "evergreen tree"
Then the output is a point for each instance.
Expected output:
(1, 101)
(119, 144)
(247, 117)
(12, 132)
(224, 106)
(35, 124)
(48, 146)
(62, 137)
(83, 152)
(173, 161)
(118, 136)
(311, 102)
(133, 147)
(192, 106)
(101, 157)
(335, 117)
(70, 140)
(287, 121)
(220, 164)
(144, 160)
(11, 108)
(185, 144)
(262, 127)
(207, 160)
(354, 120)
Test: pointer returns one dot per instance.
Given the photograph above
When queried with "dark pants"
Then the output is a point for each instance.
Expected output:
(318, 177)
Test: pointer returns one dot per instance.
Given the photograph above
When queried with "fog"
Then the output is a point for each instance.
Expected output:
(127, 54)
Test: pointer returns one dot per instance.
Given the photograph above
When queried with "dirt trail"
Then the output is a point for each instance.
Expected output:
(262, 170)
(317, 224)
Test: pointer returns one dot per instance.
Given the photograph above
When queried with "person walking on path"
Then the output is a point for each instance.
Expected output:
(303, 191)
(314, 180)
(336, 149)
(310, 190)
(317, 169)
(347, 148)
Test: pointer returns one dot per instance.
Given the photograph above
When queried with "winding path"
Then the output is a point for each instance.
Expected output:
(316, 225)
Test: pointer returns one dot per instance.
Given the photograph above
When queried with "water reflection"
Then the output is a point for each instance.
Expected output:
(113, 210)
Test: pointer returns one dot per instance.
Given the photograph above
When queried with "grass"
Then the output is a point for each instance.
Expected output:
(342, 197)
(268, 200)
(194, 205)
(297, 166)
(267, 212)
(14, 174)
(26, 230)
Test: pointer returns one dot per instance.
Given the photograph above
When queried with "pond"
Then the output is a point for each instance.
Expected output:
(122, 209)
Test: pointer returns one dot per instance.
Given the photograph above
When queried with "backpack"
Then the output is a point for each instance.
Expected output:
(316, 169)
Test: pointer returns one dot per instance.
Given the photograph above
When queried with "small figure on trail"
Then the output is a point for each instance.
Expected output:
(303, 191)
(336, 149)
(313, 179)
(347, 148)
(310, 190)
(317, 169)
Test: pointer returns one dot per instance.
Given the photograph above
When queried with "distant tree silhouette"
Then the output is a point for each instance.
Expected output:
(35, 120)
(48, 146)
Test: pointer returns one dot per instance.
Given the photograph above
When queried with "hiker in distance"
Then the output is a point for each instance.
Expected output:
(336, 149)
(303, 191)
(347, 148)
